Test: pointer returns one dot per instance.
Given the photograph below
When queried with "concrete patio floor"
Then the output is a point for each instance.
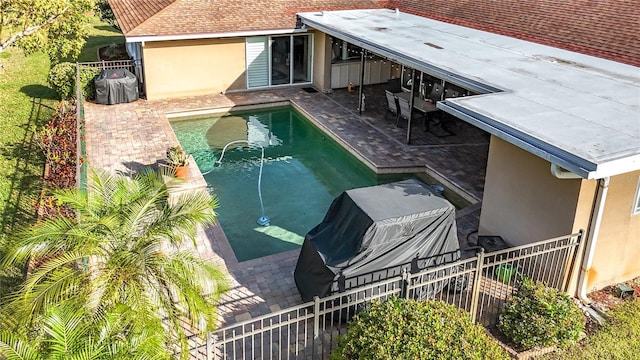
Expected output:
(128, 137)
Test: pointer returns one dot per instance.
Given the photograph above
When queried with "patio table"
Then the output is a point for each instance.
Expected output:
(426, 107)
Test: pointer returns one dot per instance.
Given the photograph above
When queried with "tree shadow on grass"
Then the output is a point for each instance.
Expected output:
(25, 180)
(108, 28)
(39, 92)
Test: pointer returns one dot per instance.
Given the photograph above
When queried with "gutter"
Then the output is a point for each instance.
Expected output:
(591, 241)
(151, 38)
(592, 238)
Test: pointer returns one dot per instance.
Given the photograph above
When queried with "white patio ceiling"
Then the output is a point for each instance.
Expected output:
(577, 111)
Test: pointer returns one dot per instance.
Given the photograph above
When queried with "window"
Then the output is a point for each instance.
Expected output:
(636, 201)
(278, 60)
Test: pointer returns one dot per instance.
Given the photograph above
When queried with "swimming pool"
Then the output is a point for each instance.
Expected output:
(303, 171)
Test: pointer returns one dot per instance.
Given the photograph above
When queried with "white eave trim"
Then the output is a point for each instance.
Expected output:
(573, 163)
(150, 38)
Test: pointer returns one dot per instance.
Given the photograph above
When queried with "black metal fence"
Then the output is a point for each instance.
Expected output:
(479, 284)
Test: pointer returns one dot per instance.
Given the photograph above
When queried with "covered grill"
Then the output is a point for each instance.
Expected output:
(370, 229)
(115, 86)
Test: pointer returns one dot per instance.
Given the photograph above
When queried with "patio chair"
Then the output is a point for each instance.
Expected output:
(392, 105)
(436, 93)
(443, 121)
(405, 110)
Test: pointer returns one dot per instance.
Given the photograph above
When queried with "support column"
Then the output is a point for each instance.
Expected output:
(413, 87)
(363, 56)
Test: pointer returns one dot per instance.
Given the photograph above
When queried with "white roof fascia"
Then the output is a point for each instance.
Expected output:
(150, 38)
(522, 140)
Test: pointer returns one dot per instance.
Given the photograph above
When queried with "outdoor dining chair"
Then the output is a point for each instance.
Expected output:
(405, 110)
(392, 105)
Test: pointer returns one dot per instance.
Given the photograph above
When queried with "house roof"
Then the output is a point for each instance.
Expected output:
(607, 29)
(149, 18)
(577, 111)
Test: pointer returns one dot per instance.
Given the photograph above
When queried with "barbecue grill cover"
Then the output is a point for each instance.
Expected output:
(115, 86)
(373, 228)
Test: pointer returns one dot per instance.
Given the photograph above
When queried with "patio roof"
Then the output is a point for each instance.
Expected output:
(577, 111)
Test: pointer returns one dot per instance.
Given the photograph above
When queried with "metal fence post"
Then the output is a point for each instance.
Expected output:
(477, 278)
(316, 327)
(209, 347)
(578, 253)
(405, 284)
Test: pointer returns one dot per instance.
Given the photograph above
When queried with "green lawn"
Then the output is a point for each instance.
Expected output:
(26, 103)
(100, 34)
(618, 339)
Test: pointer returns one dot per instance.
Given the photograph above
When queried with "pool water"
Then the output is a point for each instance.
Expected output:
(303, 171)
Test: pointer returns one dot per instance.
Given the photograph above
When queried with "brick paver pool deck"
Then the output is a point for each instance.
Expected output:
(128, 137)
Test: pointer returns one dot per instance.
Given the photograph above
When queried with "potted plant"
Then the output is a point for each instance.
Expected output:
(178, 160)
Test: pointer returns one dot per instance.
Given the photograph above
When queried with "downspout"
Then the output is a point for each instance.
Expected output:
(592, 238)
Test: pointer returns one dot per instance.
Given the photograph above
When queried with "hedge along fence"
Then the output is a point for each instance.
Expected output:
(62, 78)
(409, 329)
(67, 78)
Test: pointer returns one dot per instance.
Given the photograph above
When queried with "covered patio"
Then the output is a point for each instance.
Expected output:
(527, 94)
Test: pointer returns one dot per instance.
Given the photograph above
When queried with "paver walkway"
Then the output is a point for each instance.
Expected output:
(128, 137)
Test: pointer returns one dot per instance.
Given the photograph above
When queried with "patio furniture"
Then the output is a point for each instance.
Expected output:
(443, 120)
(392, 105)
(436, 93)
(423, 106)
(405, 110)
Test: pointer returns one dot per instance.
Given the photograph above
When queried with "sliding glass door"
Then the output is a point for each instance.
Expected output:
(301, 59)
(278, 60)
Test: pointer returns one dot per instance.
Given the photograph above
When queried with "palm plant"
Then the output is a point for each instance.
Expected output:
(128, 248)
(69, 332)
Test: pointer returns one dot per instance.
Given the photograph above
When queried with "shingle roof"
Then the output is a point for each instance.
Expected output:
(608, 29)
(132, 13)
(185, 17)
(605, 28)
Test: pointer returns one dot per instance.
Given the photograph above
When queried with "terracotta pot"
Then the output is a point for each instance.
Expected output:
(182, 171)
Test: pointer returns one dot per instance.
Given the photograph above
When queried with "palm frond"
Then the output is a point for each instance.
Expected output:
(66, 328)
(61, 286)
(14, 347)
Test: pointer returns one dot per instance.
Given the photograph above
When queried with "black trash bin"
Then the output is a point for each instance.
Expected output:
(115, 86)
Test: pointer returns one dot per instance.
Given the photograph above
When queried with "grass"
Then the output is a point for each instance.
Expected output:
(101, 34)
(26, 103)
(618, 339)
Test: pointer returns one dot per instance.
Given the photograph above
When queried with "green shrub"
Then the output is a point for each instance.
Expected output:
(540, 316)
(408, 329)
(62, 78)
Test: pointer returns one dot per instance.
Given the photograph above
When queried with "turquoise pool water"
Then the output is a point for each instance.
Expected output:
(303, 171)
